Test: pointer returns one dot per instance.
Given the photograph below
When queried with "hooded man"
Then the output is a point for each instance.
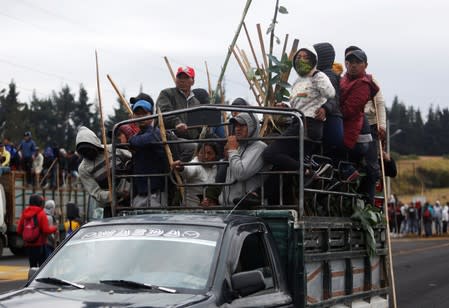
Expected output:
(245, 159)
(92, 169)
(34, 214)
(330, 110)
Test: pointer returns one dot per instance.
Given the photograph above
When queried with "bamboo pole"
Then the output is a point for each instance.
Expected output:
(385, 208)
(170, 69)
(167, 150)
(103, 131)
(48, 171)
(247, 67)
(262, 45)
(121, 98)
(251, 46)
(209, 86)
(225, 115)
(246, 76)
(231, 47)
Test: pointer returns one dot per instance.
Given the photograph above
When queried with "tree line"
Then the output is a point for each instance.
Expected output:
(56, 118)
(418, 137)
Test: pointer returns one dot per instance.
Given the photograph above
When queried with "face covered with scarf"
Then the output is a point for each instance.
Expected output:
(305, 61)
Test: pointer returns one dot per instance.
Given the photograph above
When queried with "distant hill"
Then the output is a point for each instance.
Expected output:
(422, 175)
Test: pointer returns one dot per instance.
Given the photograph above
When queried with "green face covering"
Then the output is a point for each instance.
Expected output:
(303, 67)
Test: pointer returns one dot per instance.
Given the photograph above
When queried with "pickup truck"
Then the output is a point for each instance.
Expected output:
(306, 254)
(181, 258)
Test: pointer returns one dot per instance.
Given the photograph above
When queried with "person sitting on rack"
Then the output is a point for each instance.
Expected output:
(199, 174)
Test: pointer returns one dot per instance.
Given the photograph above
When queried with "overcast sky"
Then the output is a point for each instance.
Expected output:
(47, 44)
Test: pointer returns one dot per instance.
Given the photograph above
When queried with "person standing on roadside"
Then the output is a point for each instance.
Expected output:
(33, 216)
(438, 217)
(445, 217)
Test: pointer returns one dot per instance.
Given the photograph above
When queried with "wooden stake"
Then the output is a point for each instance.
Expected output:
(246, 76)
(103, 133)
(122, 99)
(251, 46)
(225, 115)
(262, 46)
(385, 208)
(209, 86)
(167, 150)
(170, 69)
(231, 47)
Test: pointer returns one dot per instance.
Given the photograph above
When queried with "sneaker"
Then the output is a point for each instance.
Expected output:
(324, 171)
(350, 175)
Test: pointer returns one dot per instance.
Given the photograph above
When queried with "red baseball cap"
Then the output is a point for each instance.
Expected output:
(186, 70)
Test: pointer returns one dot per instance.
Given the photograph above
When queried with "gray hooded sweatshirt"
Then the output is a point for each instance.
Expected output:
(244, 163)
(90, 172)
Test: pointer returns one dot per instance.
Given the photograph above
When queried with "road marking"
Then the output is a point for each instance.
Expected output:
(401, 252)
(13, 272)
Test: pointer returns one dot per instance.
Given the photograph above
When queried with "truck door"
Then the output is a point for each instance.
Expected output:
(255, 279)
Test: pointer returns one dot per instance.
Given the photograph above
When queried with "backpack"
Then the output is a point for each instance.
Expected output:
(31, 232)
(427, 213)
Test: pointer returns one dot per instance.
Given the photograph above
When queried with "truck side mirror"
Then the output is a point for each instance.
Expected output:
(32, 271)
(246, 283)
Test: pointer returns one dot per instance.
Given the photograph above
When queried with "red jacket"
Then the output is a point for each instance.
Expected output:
(42, 220)
(354, 94)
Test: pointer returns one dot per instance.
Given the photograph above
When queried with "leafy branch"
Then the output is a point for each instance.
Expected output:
(368, 216)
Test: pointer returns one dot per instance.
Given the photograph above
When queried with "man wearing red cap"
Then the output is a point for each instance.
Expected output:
(179, 97)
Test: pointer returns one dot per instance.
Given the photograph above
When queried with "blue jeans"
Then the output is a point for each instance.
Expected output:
(4, 170)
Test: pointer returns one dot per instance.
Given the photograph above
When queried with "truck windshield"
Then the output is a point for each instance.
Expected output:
(173, 256)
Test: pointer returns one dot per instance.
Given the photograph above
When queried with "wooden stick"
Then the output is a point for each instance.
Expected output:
(260, 86)
(225, 115)
(262, 46)
(170, 69)
(121, 98)
(246, 76)
(103, 132)
(48, 171)
(385, 207)
(231, 47)
(209, 86)
(167, 150)
(251, 46)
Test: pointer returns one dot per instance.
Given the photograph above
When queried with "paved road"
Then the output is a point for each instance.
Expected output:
(421, 272)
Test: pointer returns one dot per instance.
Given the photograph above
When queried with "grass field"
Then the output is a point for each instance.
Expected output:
(419, 176)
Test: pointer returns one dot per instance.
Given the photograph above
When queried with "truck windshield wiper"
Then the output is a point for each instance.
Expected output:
(58, 281)
(135, 284)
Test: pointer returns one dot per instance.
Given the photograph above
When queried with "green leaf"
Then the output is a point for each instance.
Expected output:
(284, 84)
(282, 10)
(275, 79)
(270, 28)
(278, 41)
(274, 59)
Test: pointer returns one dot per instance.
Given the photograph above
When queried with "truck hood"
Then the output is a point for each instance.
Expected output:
(67, 298)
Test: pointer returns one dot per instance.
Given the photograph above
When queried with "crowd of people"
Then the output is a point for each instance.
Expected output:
(417, 218)
(344, 118)
(47, 167)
